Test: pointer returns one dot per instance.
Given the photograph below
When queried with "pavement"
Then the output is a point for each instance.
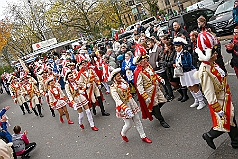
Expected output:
(183, 140)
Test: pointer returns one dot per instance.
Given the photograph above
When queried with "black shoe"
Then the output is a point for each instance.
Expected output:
(164, 124)
(170, 98)
(184, 99)
(53, 114)
(105, 114)
(235, 147)
(41, 115)
(23, 113)
(209, 141)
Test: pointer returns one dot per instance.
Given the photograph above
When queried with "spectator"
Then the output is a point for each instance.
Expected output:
(193, 37)
(6, 151)
(157, 62)
(235, 12)
(177, 29)
(127, 69)
(21, 144)
(115, 46)
(140, 29)
(232, 48)
(203, 26)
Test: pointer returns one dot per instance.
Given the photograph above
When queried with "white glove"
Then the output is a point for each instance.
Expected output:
(95, 58)
(162, 81)
(75, 105)
(129, 112)
(157, 64)
(221, 113)
(126, 68)
(148, 100)
(81, 92)
(99, 86)
(88, 85)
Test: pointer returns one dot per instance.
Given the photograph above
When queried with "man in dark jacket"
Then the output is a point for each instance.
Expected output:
(157, 62)
(177, 29)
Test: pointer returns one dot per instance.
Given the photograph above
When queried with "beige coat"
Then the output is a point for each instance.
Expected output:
(144, 86)
(123, 100)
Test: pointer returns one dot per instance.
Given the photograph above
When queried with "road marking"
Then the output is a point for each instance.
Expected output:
(231, 74)
(228, 62)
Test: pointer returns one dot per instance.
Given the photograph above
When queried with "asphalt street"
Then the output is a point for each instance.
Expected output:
(183, 140)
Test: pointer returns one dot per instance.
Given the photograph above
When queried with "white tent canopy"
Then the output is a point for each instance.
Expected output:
(51, 47)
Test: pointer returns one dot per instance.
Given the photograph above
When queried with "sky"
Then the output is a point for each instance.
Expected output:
(4, 4)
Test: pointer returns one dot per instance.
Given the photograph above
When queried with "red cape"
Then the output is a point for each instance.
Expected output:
(145, 112)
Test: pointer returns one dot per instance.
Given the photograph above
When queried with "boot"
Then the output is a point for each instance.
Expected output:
(209, 136)
(185, 95)
(102, 107)
(94, 109)
(27, 108)
(147, 140)
(157, 113)
(52, 112)
(181, 94)
(22, 108)
(200, 100)
(196, 103)
(170, 93)
(34, 110)
(39, 110)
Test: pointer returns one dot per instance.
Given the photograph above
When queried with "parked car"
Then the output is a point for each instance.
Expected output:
(145, 23)
(126, 34)
(188, 20)
(131, 27)
(223, 18)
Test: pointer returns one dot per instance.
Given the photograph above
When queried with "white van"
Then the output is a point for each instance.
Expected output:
(145, 23)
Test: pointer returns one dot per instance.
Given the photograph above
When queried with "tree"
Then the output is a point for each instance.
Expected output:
(151, 6)
(5, 32)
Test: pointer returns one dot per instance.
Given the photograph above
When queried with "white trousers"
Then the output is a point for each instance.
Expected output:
(20, 100)
(128, 125)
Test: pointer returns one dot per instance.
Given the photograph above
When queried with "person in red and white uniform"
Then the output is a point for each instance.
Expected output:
(43, 88)
(31, 92)
(92, 85)
(150, 96)
(15, 90)
(78, 100)
(126, 107)
(217, 92)
(58, 100)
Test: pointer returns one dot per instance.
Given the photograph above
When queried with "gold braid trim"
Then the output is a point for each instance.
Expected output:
(219, 87)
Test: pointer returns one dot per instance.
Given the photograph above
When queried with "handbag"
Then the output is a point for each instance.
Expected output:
(178, 71)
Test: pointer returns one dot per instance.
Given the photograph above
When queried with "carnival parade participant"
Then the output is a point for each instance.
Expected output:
(217, 92)
(91, 84)
(31, 92)
(43, 88)
(15, 90)
(232, 48)
(126, 107)
(150, 96)
(78, 101)
(57, 99)
(184, 60)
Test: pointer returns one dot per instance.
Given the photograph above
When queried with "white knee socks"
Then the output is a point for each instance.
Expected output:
(90, 118)
(81, 118)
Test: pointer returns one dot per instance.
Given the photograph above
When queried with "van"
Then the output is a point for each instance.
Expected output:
(223, 18)
(188, 20)
(145, 23)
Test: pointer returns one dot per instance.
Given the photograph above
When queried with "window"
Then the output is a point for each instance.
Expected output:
(167, 2)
